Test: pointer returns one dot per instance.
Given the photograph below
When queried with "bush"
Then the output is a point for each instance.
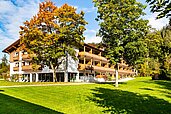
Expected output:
(164, 75)
(15, 77)
(1, 76)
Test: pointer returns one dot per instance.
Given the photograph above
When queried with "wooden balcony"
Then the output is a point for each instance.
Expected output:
(126, 72)
(103, 69)
(27, 57)
(95, 68)
(15, 58)
(27, 68)
(81, 67)
(93, 56)
(16, 68)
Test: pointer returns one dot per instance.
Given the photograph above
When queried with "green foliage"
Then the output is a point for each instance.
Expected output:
(122, 29)
(15, 77)
(158, 56)
(53, 34)
(4, 66)
(161, 6)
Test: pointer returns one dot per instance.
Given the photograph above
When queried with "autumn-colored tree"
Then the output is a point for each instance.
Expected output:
(53, 34)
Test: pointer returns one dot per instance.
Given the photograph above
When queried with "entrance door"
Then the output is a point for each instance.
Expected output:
(60, 77)
(71, 77)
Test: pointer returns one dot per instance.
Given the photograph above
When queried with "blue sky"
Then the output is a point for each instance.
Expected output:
(14, 12)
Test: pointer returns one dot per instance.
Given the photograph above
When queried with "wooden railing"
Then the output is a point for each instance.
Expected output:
(103, 69)
(15, 57)
(26, 68)
(16, 68)
(93, 56)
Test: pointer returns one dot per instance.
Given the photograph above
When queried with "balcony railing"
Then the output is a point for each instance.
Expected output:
(103, 69)
(95, 68)
(27, 56)
(16, 68)
(93, 56)
(126, 72)
(15, 58)
(26, 68)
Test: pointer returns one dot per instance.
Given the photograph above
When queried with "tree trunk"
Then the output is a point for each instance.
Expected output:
(54, 72)
(116, 79)
(66, 68)
(54, 75)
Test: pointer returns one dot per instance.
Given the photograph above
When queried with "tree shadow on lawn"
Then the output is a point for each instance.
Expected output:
(118, 101)
(11, 105)
(162, 83)
(1, 90)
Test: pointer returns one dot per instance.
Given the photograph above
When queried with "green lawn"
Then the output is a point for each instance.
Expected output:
(139, 96)
(8, 83)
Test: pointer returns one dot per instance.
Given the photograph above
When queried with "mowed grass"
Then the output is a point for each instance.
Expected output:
(8, 83)
(139, 96)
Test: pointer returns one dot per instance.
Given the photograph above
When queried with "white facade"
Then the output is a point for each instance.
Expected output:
(72, 66)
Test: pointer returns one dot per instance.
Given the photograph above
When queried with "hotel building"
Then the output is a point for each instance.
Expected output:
(91, 63)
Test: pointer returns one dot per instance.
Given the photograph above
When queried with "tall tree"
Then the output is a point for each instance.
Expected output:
(161, 6)
(159, 53)
(53, 34)
(165, 57)
(4, 66)
(153, 42)
(122, 29)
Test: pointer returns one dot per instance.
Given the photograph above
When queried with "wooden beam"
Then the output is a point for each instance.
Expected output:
(14, 47)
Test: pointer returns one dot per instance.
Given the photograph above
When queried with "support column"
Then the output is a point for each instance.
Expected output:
(77, 77)
(31, 77)
(116, 79)
(66, 77)
(37, 77)
(20, 61)
(27, 77)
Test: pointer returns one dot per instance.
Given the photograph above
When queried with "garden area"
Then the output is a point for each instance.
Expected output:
(141, 95)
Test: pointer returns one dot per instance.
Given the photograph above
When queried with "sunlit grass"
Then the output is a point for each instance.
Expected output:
(9, 83)
(141, 95)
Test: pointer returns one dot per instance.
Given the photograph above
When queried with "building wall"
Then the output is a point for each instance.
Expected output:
(73, 64)
(88, 57)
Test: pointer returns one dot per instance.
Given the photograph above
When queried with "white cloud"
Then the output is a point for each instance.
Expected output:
(88, 10)
(157, 23)
(90, 36)
(13, 14)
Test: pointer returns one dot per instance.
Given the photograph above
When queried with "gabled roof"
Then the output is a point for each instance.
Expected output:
(16, 44)
(12, 47)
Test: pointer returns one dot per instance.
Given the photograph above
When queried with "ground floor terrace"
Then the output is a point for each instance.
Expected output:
(81, 76)
(47, 77)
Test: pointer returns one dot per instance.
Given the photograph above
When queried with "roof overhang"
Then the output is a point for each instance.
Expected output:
(12, 47)
(16, 44)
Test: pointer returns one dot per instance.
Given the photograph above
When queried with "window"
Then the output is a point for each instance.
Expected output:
(16, 54)
(24, 52)
(25, 63)
(81, 61)
(16, 64)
